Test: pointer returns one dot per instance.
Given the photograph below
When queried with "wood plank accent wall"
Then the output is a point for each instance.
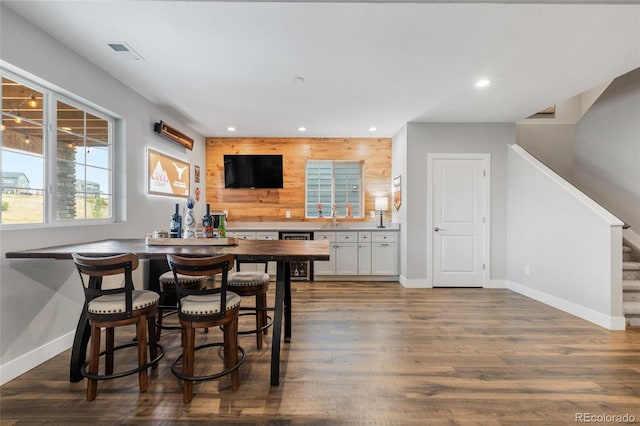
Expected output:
(270, 205)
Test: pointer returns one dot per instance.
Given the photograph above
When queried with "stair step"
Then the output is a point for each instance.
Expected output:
(626, 249)
(631, 308)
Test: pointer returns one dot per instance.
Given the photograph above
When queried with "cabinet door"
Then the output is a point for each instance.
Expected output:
(273, 266)
(326, 267)
(384, 258)
(346, 258)
(243, 235)
(364, 259)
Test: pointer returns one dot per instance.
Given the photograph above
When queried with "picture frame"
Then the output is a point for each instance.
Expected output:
(196, 174)
(397, 192)
(167, 175)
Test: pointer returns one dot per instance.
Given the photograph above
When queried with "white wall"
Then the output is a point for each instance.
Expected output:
(425, 138)
(607, 149)
(399, 168)
(564, 249)
(40, 300)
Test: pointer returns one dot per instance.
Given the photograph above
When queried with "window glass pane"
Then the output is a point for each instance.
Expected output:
(97, 182)
(22, 188)
(97, 154)
(97, 128)
(98, 206)
(69, 146)
(70, 119)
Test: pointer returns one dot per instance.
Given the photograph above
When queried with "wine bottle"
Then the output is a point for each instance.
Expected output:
(175, 228)
(222, 230)
(207, 224)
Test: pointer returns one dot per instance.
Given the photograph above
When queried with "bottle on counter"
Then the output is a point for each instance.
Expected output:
(175, 228)
(207, 224)
(222, 230)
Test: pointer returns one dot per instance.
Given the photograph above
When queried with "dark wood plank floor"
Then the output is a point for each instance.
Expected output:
(375, 354)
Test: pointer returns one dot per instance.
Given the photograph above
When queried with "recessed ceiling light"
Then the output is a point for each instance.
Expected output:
(372, 129)
(483, 83)
(302, 129)
(231, 129)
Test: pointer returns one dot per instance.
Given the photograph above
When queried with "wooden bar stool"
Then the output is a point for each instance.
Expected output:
(206, 307)
(114, 307)
(167, 304)
(256, 284)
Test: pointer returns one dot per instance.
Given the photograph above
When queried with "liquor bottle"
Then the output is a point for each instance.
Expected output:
(207, 224)
(222, 230)
(175, 229)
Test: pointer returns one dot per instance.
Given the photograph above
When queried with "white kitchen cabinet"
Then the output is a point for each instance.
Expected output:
(346, 253)
(272, 267)
(364, 253)
(384, 253)
(326, 267)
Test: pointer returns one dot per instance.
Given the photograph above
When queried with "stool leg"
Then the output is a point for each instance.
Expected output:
(94, 362)
(153, 338)
(231, 350)
(264, 312)
(259, 320)
(108, 366)
(141, 332)
(188, 360)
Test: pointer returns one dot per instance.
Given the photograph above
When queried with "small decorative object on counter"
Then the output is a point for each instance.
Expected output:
(334, 210)
(222, 230)
(319, 210)
(175, 228)
(189, 220)
(349, 211)
(207, 224)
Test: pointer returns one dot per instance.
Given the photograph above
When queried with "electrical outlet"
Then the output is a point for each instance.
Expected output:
(372, 214)
(287, 214)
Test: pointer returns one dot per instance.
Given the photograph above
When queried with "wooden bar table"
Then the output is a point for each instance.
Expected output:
(280, 251)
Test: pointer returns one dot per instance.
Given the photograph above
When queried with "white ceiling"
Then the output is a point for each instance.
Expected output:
(382, 64)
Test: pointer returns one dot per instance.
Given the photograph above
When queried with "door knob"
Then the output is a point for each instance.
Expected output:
(438, 229)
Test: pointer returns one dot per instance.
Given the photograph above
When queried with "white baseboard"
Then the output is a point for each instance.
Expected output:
(588, 314)
(632, 237)
(26, 362)
(412, 283)
(496, 284)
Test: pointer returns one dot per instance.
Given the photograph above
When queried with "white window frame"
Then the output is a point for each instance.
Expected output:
(51, 96)
(326, 210)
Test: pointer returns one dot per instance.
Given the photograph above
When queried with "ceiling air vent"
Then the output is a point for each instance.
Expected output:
(124, 50)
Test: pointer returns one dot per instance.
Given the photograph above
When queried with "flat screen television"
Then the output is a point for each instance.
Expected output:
(253, 171)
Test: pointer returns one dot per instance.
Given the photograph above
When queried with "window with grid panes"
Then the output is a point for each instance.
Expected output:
(56, 175)
(336, 183)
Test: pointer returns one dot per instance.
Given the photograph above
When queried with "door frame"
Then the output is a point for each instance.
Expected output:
(486, 157)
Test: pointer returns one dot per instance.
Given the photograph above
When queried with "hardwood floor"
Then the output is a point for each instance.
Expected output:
(376, 354)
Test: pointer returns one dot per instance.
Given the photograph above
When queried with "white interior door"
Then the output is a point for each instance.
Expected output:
(459, 192)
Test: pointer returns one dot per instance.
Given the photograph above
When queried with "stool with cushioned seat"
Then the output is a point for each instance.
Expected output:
(168, 293)
(253, 283)
(114, 306)
(206, 307)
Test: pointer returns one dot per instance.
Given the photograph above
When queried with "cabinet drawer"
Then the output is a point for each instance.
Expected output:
(329, 236)
(364, 237)
(346, 237)
(385, 237)
(244, 235)
(266, 235)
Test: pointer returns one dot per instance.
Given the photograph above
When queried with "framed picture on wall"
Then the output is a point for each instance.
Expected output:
(196, 174)
(167, 175)
(397, 192)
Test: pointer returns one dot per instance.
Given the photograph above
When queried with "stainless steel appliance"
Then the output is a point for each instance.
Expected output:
(300, 271)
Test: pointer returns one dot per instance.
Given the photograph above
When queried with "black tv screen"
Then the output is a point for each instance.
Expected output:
(253, 171)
